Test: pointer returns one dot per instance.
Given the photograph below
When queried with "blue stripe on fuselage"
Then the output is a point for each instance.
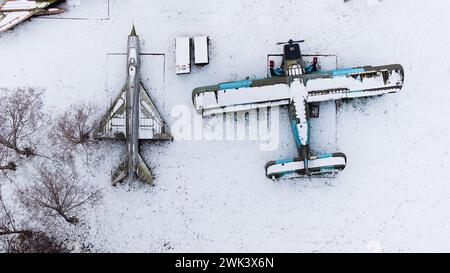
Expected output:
(235, 85)
(327, 168)
(342, 72)
(284, 161)
(325, 156)
(296, 134)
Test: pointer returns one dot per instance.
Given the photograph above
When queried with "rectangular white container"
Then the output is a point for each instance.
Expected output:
(201, 50)
(183, 55)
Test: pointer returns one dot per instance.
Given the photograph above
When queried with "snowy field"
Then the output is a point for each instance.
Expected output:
(394, 194)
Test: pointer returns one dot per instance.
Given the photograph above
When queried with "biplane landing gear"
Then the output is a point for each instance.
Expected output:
(314, 110)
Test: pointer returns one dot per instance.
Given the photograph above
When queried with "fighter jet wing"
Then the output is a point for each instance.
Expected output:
(151, 124)
(113, 124)
(354, 83)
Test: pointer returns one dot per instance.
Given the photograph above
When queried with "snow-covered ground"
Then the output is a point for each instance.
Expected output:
(394, 194)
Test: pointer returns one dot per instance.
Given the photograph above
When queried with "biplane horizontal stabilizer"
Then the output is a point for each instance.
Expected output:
(321, 165)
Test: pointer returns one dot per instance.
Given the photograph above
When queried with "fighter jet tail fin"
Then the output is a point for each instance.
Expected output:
(143, 171)
(120, 174)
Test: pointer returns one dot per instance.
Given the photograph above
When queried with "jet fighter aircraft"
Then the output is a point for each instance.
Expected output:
(14, 12)
(132, 117)
(297, 86)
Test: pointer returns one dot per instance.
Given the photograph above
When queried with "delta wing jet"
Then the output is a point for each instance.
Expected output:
(298, 85)
(133, 117)
(14, 12)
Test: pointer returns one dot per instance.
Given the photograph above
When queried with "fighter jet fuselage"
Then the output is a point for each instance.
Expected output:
(132, 104)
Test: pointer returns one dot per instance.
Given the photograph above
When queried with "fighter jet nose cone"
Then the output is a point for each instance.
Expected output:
(133, 31)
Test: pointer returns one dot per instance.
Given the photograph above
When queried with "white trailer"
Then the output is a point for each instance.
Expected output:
(201, 54)
(183, 55)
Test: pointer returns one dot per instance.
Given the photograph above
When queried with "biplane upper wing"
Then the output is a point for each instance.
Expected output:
(354, 83)
(241, 95)
(321, 86)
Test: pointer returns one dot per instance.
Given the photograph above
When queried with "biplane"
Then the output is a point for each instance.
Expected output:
(299, 86)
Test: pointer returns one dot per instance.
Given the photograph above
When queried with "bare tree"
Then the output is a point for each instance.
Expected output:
(19, 239)
(9, 232)
(5, 163)
(20, 118)
(74, 128)
(58, 191)
(76, 125)
(7, 223)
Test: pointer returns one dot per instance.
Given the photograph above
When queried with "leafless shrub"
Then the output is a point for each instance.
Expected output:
(74, 128)
(20, 118)
(35, 242)
(58, 191)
